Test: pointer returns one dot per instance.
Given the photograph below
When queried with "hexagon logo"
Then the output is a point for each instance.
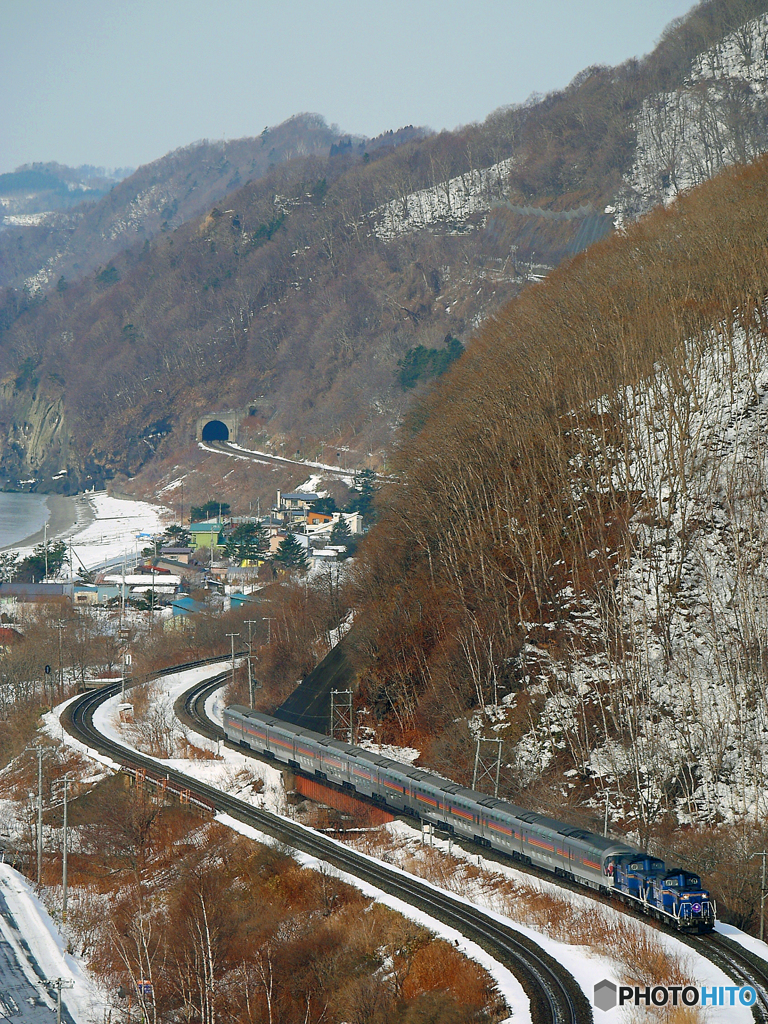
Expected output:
(605, 995)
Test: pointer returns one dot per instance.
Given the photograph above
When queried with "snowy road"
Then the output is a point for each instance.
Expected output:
(22, 995)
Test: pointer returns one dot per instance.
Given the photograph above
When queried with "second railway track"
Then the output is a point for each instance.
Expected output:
(553, 992)
(739, 964)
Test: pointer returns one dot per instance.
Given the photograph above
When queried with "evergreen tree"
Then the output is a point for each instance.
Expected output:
(326, 505)
(290, 554)
(32, 568)
(9, 566)
(365, 493)
(212, 508)
(245, 542)
(176, 537)
(341, 534)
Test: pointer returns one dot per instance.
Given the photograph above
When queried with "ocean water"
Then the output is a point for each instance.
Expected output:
(21, 516)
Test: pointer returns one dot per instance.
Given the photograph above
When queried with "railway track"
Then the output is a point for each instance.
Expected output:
(554, 995)
(742, 966)
(738, 963)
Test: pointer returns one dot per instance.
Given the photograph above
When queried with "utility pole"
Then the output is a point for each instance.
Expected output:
(65, 781)
(269, 627)
(122, 593)
(59, 984)
(152, 592)
(762, 854)
(232, 637)
(60, 626)
(39, 751)
(46, 550)
(250, 623)
(64, 851)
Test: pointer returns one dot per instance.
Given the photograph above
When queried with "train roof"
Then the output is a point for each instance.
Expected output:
(603, 844)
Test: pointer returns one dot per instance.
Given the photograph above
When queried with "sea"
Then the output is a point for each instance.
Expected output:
(21, 516)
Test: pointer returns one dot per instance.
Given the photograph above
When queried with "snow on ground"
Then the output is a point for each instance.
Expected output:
(508, 985)
(405, 754)
(749, 942)
(236, 773)
(310, 486)
(691, 132)
(282, 458)
(587, 967)
(691, 597)
(448, 203)
(254, 455)
(230, 770)
(112, 529)
(47, 946)
(117, 528)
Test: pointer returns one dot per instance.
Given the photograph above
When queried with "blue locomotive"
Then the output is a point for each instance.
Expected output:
(637, 878)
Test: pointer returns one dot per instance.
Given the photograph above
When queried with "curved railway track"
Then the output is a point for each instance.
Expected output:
(742, 966)
(555, 997)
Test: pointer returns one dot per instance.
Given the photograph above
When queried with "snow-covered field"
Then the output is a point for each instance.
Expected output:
(117, 528)
(109, 529)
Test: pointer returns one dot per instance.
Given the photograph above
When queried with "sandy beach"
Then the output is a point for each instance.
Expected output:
(67, 515)
(97, 525)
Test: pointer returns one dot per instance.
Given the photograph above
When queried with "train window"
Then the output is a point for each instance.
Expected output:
(672, 883)
(692, 881)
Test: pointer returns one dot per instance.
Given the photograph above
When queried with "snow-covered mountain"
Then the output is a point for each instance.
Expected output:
(717, 118)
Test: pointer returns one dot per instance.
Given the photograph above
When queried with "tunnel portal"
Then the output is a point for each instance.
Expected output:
(215, 430)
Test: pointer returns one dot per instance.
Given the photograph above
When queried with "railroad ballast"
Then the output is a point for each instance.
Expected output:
(672, 895)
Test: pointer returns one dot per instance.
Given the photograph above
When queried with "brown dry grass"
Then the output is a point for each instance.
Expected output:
(637, 948)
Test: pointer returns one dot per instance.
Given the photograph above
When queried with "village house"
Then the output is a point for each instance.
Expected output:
(293, 508)
(205, 535)
(34, 593)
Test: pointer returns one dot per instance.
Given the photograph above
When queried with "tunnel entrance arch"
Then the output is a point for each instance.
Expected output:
(219, 426)
(215, 430)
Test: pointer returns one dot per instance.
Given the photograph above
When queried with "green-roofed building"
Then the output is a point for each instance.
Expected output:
(203, 535)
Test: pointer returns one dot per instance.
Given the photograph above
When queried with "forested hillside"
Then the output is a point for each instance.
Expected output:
(157, 197)
(577, 553)
(315, 282)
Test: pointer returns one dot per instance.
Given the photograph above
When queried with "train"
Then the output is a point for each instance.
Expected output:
(672, 895)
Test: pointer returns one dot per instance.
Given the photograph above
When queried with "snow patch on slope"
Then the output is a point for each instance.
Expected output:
(716, 119)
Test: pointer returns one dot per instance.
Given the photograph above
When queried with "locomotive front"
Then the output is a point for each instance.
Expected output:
(680, 895)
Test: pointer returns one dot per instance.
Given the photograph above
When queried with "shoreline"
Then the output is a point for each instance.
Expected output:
(67, 515)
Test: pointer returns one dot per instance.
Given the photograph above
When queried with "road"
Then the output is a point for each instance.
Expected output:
(20, 1000)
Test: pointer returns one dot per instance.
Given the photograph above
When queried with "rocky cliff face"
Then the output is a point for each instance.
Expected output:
(35, 440)
(717, 118)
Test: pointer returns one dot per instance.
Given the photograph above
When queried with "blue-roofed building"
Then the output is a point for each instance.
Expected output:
(186, 606)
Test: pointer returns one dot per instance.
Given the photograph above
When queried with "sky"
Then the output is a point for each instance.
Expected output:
(120, 84)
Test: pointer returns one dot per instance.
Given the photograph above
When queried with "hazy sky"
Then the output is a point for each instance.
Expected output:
(121, 83)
